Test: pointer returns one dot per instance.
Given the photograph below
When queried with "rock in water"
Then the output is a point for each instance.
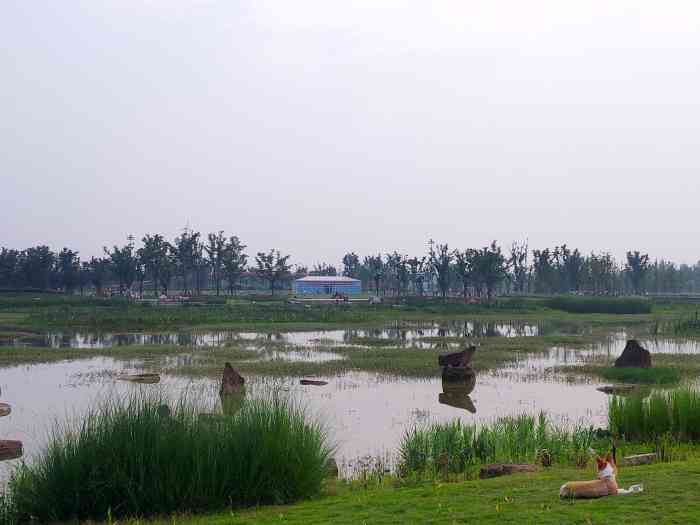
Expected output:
(5, 409)
(457, 359)
(10, 449)
(232, 382)
(634, 356)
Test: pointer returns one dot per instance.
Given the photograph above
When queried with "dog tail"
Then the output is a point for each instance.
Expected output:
(632, 490)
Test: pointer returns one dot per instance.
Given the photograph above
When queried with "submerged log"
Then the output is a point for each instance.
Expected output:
(231, 382)
(10, 449)
(5, 409)
(140, 378)
(457, 359)
(639, 459)
(313, 382)
(504, 469)
(634, 356)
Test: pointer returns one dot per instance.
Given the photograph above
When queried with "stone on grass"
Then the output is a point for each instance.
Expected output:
(232, 382)
(639, 459)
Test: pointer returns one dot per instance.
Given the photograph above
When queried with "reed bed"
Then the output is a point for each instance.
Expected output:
(456, 447)
(133, 457)
(600, 305)
(675, 414)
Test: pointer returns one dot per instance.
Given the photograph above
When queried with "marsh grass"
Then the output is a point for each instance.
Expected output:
(675, 414)
(600, 305)
(455, 447)
(648, 376)
(129, 457)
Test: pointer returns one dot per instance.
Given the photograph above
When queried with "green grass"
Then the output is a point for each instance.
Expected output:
(648, 376)
(674, 413)
(128, 459)
(457, 447)
(670, 496)
(600, 305)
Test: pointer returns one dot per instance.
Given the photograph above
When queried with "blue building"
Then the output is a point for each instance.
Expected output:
(327, 285)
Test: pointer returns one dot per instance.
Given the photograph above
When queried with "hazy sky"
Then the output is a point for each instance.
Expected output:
(320, 127)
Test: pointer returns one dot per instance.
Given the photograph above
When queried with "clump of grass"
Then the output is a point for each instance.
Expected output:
(600, 305)
(648, 376)
(689, 325)
(131, 457)
(459, 448)
(675, 413)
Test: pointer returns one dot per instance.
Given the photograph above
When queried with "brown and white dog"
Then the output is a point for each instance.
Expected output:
(605, 485)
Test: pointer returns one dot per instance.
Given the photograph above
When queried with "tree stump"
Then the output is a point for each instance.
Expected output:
(10, 449)
(639, 459)
(504, 469)
(232, 382)
(634, 356)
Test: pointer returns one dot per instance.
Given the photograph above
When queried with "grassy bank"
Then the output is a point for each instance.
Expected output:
(670, 496)
(135, 458)
(600, 305)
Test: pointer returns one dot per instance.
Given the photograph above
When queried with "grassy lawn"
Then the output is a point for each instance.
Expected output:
(670, 496)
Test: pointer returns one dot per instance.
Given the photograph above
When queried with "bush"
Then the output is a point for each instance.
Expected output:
(456, 447)
(675, 413)
(131, 458)
(600, 305)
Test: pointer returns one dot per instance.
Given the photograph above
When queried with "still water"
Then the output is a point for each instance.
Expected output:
(366, 413)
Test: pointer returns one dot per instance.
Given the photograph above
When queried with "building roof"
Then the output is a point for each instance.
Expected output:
(327, 279)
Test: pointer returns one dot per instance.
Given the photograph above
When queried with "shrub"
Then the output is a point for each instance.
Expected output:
(131, 458)
(649, 376)
(600, 305)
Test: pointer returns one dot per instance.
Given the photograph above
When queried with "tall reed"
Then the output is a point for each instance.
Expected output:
(455, 447)
(133, 458)
(675, 413)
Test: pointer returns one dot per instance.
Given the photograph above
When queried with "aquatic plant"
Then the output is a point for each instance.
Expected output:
(600, 305)
(133, 457)
(675, 413)
(650, 376)
(455, 447)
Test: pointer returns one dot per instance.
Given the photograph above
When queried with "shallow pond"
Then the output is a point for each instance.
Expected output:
(366, 413)
(418, 333)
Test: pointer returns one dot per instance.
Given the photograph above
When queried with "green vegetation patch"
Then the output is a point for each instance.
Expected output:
(648, 376)
(133, 457)
(600, 305)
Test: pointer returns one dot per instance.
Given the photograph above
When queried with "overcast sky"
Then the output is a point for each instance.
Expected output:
(319, 127)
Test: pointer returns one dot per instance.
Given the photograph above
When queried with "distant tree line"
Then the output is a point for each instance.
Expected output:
(191, 263)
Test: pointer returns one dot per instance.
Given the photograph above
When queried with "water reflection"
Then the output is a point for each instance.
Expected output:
(421, 334)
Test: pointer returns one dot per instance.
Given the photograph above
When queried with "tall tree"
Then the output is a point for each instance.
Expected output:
(68, 266)
(272, 267)
(154, 255)
(440, 259)
(489, 267)
(519, 265)
(464, 269)
(324, 269)
(215, 250)
(637, 268)
(99, 269)
(351, 265)
(416, 268)
(37, 264)
(234, 262)
(123, 265)
(188, 253)
(10, 268)
(375, 266)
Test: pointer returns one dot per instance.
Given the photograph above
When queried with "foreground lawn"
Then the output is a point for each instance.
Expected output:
(671, 496)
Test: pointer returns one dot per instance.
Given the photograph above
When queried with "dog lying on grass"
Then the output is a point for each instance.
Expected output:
(605, 485)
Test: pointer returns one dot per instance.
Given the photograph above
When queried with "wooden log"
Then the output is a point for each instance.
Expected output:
(10, 449)
(504, 469)
(639, 459)
(5, 409)
(140, 378)
(313, 382)
(616, 389)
